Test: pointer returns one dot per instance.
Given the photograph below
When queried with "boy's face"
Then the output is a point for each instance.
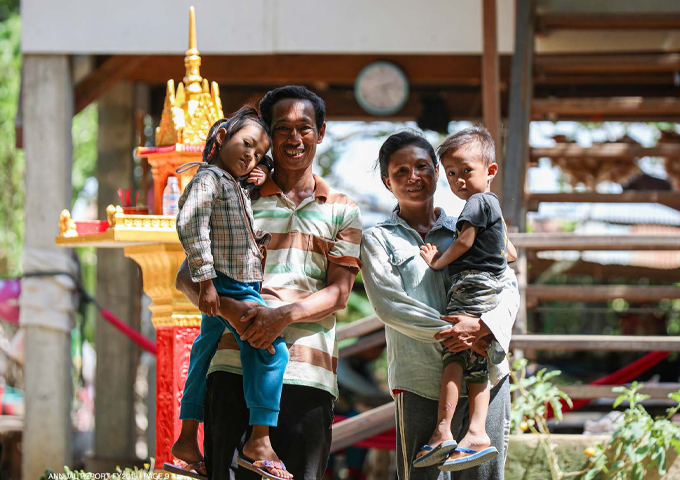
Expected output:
(242, 152)
(466, 173)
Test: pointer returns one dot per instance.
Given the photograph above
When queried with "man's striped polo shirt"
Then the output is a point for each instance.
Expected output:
(325, 227)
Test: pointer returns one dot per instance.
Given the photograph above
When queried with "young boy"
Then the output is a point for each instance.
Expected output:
(476, 260)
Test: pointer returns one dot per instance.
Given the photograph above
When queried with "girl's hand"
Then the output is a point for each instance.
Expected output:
(428, 252)
(208, 299)
(257, 176)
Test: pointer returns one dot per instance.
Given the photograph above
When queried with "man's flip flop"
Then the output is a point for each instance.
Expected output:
(472, 460)
(189, 470)
(435, 454)
(246, 462)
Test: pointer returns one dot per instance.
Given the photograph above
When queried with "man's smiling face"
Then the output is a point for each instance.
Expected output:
(294, 134)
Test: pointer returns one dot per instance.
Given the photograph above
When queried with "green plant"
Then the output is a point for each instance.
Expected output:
(639, 443)
(532, 395)
(120, 474)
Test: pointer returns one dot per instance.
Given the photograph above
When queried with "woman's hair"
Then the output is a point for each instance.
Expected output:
(396, 142)
(292, 91)
(232, 125)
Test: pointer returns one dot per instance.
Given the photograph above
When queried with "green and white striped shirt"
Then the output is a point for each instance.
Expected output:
(325, 227)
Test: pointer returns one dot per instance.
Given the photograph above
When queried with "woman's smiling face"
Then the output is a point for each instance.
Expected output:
(412, 176)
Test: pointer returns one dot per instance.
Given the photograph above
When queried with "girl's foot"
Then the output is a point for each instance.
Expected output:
(476, 442)
(186, 449)
(260, 450)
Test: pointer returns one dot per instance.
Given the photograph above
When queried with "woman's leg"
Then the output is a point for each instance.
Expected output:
(498, 428)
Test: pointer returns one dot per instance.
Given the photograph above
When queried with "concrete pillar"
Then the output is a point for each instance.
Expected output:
(47, 302)
(118, 289)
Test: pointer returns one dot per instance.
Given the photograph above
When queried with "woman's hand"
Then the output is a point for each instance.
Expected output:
(267, 326)
(208, 299)
(257, 176)
(428, 252)
(464, 332)
(481, 346)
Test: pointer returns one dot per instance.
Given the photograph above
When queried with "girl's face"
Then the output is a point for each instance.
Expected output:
(243, 151)
(412, 176)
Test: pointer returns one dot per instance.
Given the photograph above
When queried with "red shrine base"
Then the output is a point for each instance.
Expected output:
(172, 365)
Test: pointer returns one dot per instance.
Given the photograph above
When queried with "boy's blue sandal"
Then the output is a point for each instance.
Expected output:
(436, 454)
(264, 470)
(475, 458)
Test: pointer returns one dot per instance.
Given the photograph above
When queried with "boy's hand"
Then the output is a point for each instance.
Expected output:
(258, 175)
(208, 299)
(428, 252)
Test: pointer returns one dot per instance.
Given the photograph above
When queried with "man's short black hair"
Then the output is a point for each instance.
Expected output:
(292, 91)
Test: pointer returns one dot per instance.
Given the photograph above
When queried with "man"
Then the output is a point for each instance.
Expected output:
(312, 260)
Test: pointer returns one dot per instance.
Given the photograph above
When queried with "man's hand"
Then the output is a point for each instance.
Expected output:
(267, 326)
(464, 332)
(257, 176)
(428, 252)
(208, 299)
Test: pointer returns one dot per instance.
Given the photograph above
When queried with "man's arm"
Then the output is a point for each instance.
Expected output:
(270, 322)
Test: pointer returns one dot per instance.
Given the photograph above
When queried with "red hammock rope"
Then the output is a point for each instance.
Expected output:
(129, 332)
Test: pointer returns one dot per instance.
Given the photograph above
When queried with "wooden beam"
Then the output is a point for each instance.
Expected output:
(668, 198)
(601, 293)
(609, 343)
(103, 78)
(491, 92)
(311, 69)
(521, 93)
(620, 107)
(359, 328)
(570, 241)
(362, 426)
(656, 392)
(607, 151)
(610, 63)
(368, 342)
(608, 21)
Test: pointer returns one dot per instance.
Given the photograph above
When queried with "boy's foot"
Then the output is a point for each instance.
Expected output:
(187, 450)
(472, 450)
(264, 457)
(441, 434)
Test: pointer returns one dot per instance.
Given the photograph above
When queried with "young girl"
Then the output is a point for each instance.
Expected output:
(224, 252)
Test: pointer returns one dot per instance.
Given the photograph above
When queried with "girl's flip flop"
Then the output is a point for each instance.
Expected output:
(435, 454)
(188, 470)
(472, 460)
(263, 471)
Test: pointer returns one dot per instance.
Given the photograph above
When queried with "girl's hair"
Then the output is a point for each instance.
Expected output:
(232, 125)
(396, 142)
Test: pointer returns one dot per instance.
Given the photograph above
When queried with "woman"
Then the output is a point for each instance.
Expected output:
(409, 297)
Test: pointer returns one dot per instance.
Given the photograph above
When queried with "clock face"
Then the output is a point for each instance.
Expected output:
(381, 88)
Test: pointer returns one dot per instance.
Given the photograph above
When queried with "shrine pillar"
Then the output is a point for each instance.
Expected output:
(47, 307)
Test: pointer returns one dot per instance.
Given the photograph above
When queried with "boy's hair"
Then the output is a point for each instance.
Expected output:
(396, 142)
(232, 125)
(292, 91)
(473, 136)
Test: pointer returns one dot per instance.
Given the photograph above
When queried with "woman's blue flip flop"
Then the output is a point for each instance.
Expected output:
(435, 454)
(472, 460)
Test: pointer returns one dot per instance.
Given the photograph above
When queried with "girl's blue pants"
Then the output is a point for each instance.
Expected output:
(262, 371)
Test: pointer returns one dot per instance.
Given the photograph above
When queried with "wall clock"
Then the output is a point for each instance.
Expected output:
(381, 88)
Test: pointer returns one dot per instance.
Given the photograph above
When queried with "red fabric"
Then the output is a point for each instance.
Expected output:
(386, 440)
(129, 332)
(623, 375)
